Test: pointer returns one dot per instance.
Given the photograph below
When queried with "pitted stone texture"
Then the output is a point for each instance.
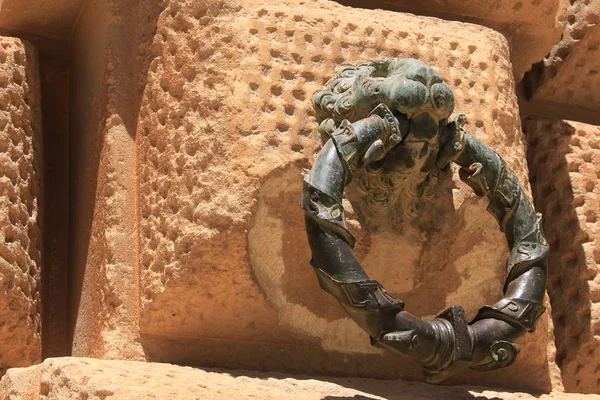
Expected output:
(85, 378)
(20, 189)
(226, 127)
(570, 75)
(531, 26)
(564, 158)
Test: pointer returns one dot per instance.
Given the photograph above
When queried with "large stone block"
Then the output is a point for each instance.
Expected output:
(569, 76)
(224, 131)
(564, 158)
(531, 27)
(53, 19)
(102, 265)
(86, 378)
(20, 190)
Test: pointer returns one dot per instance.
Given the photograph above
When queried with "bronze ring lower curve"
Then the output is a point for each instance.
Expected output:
(447, 343)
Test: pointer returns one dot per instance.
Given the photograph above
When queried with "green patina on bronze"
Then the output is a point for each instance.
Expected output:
(388, 119)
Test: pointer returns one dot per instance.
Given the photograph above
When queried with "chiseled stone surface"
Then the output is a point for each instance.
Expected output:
(570, 75)
(20, 189)
(225, 128)
(103, 275)
(85, 378)
(532, 27)
(564, 158)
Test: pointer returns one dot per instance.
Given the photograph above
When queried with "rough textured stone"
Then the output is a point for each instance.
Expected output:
(531, 26)
(192, 125)
(570, 75)
(564, 158)
(81, 378)
(20, 189)
(46, 26)
(225, 127)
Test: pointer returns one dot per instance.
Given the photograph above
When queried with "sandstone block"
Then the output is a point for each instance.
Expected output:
(85, 378)
(531, 26)
(564, 158)
(103, 274)
(225, 128)
(20, 189)
(569, 76)
(41, 18)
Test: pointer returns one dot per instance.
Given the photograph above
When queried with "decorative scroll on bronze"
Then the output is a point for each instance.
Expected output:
(374, 112)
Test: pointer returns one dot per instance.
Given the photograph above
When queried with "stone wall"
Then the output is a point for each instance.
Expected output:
(570, 73)
(531, 27)
(103, 271)
(80, 378)
(20, 191)
(565, 174)
(39, 17)
(564, 84)
(223, 134)
(190, 126)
